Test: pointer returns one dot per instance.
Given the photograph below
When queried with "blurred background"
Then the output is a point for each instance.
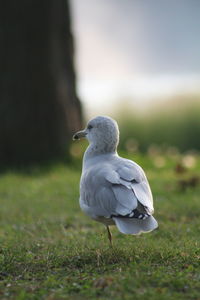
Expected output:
(139, 50)
(63, 62)
(138, 61)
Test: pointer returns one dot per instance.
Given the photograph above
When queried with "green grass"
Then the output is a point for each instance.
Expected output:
(50, 250)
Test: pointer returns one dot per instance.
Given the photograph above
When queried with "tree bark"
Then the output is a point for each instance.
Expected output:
(39, 108)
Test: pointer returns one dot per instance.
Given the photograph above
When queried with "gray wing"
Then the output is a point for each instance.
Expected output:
(135, 178)
(115, 190)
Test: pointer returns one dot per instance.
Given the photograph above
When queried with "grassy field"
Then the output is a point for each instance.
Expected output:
(50, 250)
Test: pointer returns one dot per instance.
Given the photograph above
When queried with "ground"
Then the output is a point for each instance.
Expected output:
(50, 250)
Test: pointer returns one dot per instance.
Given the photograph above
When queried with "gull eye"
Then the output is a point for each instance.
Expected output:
(90, 127)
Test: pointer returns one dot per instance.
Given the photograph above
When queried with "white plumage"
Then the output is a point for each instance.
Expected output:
(113, 190)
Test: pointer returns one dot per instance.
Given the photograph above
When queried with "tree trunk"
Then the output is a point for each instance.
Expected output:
(39, 109)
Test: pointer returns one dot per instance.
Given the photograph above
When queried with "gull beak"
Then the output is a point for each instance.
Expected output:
(79, 134)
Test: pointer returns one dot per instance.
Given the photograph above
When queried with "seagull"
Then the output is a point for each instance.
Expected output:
(113, 190)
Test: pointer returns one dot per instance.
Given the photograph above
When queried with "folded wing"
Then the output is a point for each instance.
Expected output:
(116, 190)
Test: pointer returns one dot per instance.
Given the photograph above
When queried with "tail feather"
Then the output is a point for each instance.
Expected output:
(135, 226)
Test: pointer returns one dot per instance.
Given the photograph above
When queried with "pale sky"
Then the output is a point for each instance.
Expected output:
(136, 49)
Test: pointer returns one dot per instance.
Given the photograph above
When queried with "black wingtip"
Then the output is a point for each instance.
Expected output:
(134, 214)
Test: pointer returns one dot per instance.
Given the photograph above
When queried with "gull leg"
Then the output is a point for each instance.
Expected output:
(109, 235)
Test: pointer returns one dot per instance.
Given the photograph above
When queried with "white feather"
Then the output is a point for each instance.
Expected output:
(135, 226)
(111, 185)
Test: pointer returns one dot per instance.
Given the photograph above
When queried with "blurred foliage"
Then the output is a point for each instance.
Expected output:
(173, 125)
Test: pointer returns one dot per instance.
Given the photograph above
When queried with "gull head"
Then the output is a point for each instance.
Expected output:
(102, 133)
